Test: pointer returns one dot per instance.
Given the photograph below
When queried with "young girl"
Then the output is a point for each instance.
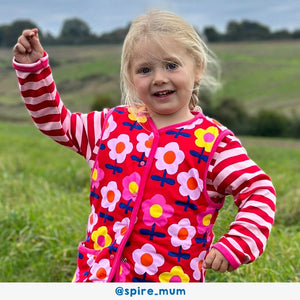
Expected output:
(160, 169)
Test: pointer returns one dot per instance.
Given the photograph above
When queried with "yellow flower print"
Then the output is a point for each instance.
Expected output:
(137, 114)
(101, 238)
(206, 138)
(175, 275)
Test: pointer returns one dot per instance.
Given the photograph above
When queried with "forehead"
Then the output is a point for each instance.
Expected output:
(153, 49)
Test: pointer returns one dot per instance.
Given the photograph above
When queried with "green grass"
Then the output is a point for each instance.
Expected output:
(44, 206)
(261, 74)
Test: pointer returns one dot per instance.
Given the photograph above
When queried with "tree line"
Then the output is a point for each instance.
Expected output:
(77, 32)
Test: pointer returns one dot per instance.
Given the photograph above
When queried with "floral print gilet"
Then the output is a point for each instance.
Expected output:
(151, 218)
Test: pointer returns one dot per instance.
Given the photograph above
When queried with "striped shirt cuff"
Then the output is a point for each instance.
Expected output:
(34, 67)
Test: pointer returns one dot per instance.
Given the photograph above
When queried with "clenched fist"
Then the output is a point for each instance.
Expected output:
(28, 48)
(215, 260)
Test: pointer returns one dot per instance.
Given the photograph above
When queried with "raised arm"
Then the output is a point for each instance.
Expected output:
(77, 131)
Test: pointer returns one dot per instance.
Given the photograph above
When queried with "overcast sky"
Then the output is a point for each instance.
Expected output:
(106, 15)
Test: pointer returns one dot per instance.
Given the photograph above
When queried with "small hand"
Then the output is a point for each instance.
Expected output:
(28, 48)
(216, 260)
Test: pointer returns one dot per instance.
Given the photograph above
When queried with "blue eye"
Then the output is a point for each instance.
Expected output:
(171, 66)
(144, 70)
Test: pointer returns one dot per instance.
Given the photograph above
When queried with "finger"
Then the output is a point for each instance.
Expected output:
(223, 267)
(209, 259)
(35, 42)
(19, 49)
(216, 264)
(22, 40)
(28, 36)
(29, 33)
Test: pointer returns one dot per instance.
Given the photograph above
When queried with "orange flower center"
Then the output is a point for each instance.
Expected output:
(183, 234)
(101, 273)
(169, 157)
(149, 143)
(120, 147)
(110, 196)
(192, 183)
(146, 260)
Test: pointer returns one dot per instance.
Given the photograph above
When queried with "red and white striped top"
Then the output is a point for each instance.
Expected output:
(231, 171)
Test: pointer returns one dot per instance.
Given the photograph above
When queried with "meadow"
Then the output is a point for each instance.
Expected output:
(44, 188)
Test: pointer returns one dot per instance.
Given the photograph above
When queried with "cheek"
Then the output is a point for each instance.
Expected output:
(140, 86)
(186, 84)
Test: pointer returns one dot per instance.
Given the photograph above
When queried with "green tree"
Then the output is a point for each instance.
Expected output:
(246, 30)
(270, 123)
(212, 34)
(233, 31)
(75, 31)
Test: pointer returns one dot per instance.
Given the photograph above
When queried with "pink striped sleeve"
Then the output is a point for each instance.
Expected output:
(77, 131)
(232, 172)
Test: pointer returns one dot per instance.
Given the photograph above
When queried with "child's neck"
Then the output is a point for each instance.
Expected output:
(162, 121)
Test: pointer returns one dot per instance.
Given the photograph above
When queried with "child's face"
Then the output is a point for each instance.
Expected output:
(164, 77)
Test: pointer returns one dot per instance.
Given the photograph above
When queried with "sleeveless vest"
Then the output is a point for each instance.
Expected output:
(151, 218)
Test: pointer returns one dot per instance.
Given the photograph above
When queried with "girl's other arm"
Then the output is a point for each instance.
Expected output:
(233, 173)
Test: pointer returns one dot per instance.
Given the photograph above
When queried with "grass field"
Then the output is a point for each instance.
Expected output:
(44, 207)
(263, 75)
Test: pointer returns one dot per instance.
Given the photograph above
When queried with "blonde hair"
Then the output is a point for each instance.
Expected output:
(157, 24)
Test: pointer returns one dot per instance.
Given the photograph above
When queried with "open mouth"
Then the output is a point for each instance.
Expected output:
(162, 94)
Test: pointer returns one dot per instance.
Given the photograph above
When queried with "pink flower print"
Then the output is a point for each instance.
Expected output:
(101, 238)
(190, 184)
(124, 271)
(144, 143)
(119, 147)
(120, 228)
(196, 265)
(182, 234)
(93, 219)
(147, 260)
(110, 196)
(169, 158)
(204, 221)
(97, 175)
(156, 211)
(91, 259)
(131, 186)
(175, 275)
(100, 271)
(110, 126)
(193, 125)
(206, 138)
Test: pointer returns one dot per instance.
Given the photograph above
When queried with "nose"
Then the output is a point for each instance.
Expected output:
(159, 77)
